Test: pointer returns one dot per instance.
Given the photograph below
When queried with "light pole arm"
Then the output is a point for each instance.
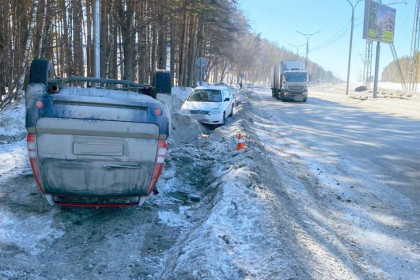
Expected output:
(307, 36)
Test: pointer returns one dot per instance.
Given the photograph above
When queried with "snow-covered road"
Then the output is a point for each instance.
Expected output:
(327, 189)
(356, 167)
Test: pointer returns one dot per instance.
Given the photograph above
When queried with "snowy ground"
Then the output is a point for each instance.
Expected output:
(394, 86)
(285, 208)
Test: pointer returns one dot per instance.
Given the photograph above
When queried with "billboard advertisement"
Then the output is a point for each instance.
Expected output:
(379, 22)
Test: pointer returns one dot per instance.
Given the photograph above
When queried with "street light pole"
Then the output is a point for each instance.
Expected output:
(297, 48)
(307, 36)
(351, 42)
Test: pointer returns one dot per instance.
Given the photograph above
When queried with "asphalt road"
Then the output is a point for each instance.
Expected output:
(358, 166)
(382, 145)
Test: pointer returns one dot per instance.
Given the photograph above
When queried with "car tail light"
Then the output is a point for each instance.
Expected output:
(160, 159)
(33, 158)
(158, 111)
(39, 104)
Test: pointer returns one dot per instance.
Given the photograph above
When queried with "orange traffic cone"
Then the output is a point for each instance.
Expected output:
(241, 143)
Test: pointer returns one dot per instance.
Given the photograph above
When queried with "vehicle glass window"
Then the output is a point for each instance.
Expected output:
(296, 77)
(206, 95)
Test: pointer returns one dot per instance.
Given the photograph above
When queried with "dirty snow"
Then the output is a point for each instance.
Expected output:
(12, 123)
(13, 154)
(273, 211)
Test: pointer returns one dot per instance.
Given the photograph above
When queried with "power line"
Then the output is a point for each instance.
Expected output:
(343, 31)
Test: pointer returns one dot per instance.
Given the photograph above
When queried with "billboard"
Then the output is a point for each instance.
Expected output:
(379, 22)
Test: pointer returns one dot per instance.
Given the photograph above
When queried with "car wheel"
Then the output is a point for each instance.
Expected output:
(224, 118)
(41, 70)
(304, 100)
(231, 112)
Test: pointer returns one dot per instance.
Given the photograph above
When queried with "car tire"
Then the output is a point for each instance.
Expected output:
(304, 100)
(231, 112)
(224, 118)
(41, 70)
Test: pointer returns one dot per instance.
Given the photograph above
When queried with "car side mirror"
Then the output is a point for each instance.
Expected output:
(227, 99)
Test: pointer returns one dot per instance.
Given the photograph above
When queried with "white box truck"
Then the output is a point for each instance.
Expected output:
(290, 81)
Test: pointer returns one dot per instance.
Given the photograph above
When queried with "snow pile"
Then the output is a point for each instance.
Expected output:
(12, 121)
(13, 160)
(235, 234)
(13, 154)
(183, 128)
(180, 94)
(394, 86)
(238, 230)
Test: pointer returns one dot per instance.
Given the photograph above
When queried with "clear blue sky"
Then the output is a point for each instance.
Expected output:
(278, 21)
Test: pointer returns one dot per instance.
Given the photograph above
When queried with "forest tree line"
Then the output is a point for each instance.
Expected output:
(391, 72)
(136, 37)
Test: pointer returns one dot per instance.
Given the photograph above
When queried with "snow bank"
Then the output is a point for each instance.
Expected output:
(183, 128)
(394, 86)
(12, 121)
(234, 233)
(181, 94)
(13, 154)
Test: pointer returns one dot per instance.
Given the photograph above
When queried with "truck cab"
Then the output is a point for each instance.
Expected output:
(294, 85)
(102, 144)
(290, 81)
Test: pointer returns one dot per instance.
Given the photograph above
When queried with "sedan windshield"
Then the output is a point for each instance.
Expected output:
(296, 77)
(206, 95)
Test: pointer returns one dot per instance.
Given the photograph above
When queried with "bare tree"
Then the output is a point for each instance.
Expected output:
(136, 38)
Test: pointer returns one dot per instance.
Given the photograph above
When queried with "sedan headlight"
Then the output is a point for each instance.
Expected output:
(215, 111)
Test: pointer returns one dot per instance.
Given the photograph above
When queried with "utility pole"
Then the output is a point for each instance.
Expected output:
(353, 7)
(97, 40)
(375, 82)
(307, 36)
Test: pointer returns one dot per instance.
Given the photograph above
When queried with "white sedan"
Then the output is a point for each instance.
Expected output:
(210, 105)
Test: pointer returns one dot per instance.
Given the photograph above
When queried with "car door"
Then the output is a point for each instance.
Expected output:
(227, 104)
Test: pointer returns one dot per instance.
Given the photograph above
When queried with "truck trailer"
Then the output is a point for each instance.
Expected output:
(290, 81)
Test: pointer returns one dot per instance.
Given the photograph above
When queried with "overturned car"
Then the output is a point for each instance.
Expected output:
(102, 144)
